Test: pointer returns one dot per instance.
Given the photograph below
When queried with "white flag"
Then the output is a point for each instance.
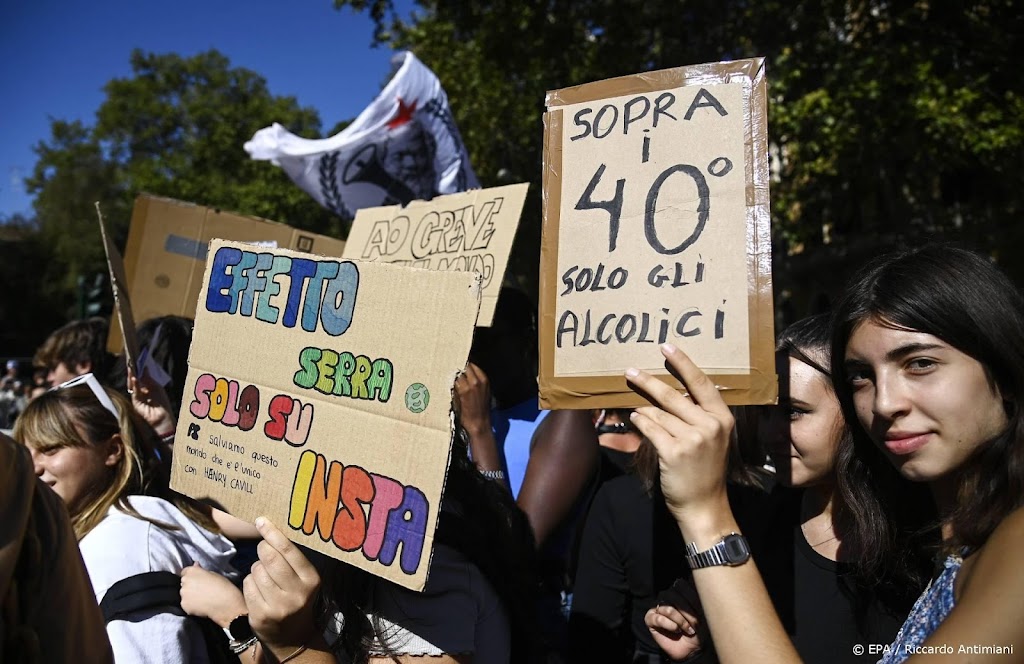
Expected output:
(404, 146)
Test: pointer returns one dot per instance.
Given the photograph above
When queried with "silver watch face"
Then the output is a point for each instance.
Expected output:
(736, 549)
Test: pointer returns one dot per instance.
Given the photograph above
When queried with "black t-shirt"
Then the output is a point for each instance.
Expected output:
(830, 615)
(632, 553)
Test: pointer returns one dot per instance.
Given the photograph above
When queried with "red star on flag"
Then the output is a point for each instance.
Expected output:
(404, 115)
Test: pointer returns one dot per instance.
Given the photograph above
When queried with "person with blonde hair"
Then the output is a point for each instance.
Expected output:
(91, 447)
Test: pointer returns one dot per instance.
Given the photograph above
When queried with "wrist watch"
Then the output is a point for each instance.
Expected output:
(242, 636)
(731, 550)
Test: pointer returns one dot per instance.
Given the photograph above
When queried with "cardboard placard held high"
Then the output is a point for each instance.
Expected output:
(656, 229)
(319, 394)
(165, 254)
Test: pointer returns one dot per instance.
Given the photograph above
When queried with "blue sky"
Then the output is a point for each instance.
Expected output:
(55, 57)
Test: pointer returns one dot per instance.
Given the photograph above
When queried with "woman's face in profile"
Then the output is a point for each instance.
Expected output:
(803, 431)
(74, 472)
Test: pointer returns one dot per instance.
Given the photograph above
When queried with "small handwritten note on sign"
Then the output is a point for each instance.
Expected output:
(318, 395)
(469, 232)
(656, 229)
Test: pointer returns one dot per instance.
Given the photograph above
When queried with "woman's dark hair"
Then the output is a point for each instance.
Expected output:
(810, 341)
(170, 353)
(961, 298)
(486, 527)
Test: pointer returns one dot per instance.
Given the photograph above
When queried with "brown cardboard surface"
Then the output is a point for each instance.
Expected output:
(166, 251)
(122, 302)
(704, 287)
(469, 231)
(319, 395)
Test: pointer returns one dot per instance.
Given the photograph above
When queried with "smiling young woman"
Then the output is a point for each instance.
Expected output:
(928, 365)
(929, 361)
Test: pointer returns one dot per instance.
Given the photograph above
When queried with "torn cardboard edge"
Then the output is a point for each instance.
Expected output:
(760, 385)
(122, 303)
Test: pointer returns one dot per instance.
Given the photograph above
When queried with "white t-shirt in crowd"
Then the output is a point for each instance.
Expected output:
(123, 545)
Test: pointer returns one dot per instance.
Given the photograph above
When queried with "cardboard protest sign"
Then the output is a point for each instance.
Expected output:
(122, 303)
(656, 229)
(318, 395)
(470, 231)
(165, 254)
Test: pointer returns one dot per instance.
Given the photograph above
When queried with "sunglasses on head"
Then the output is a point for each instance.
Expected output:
(97, 390)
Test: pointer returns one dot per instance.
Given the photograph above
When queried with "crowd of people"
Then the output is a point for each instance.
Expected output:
(874, 514)
(17, 390)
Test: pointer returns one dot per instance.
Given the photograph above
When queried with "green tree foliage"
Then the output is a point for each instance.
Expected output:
(174, 128)
(177, 127)
(905, 118)
(70, 175)
(890, 120)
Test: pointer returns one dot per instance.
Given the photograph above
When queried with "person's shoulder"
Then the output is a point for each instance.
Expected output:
(456, 596)
(126, 528)
(998, 562)
(452, 575)
(176, 541)
(989, 582)
(152, 507)
(450, 570)
(115, 549)
(1013, 524)
(116, 524)
(163, 539)
(1007, 540)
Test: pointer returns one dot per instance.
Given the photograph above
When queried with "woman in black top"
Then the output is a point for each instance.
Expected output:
(823, 606)
(631, 557)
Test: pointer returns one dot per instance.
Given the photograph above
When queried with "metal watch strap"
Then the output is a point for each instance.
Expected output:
(700, 559)
(720, 553)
